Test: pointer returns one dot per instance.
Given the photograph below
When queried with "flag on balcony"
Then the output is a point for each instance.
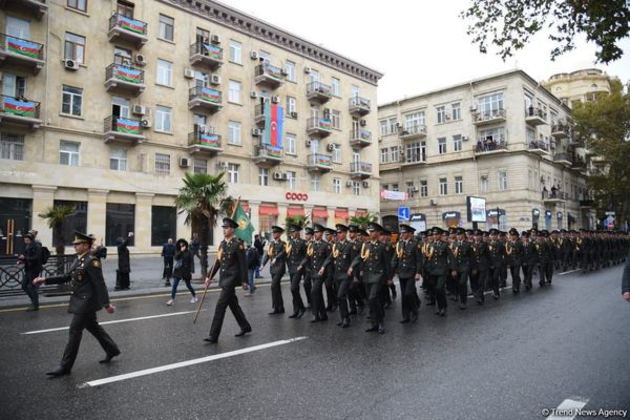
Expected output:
(274, 121)
(209, 140)
(245, 228)
(128, 74)
(23, 47)
(124, 125)
(210, 95)
(16, 107)
(212, 51)
(130, 24)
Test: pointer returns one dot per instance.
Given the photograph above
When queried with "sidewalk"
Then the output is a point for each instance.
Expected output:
(145, 276)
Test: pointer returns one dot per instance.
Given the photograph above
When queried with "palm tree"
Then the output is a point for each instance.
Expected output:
(56, 216)
(301, 221)
(202, 199)
(363, 221)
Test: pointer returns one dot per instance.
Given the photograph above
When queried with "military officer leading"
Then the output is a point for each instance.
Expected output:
(89, 295)
(296, 251)
(342, 255)
(462, 260)
(407, 263)
(276, 253)
(317, 261)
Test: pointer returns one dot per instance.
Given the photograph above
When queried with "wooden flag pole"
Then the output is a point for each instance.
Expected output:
(215, 268)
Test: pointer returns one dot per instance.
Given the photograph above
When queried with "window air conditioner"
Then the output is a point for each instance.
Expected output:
(365, 184)
(215, 79)
(184, 162)
(348, 184)
(71, 64)
(140, 60)
(138, 110)
(256, 132)
(277, 176)
(215, 39)
(253, 55)
(189, 73)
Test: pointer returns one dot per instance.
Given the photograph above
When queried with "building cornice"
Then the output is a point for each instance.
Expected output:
(251, 26)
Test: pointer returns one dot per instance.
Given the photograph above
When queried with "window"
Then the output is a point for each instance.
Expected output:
(459, 185)
(483, 184)
(315, 182)
(456, 111)
(164, 73)
(393, 126)
(163, 224)
(291, 106)
(336, 119)
(289, 67)
(263, 177)
(124, 8)
(68, 153)
(356, 188)
(490, 105)
(118, 159)
(200, 166)
(163, 119)
(383, 127)
(234, 92)
(336, 153)
(424, 188)
(235, 52)
(503, 184)
(355, 92)
(291, 180)
(411, 189)
(234, 132)
(491, 137)
(11, 146)
(119, 221)
(443, 186)
(78, 4)
(291, 148)
(441, 114)
(384, 155)
(71, 100)
(77, 221)
(13, 85)
(442, 145)
(457, 143)
(414, 120)
(167, 26)
(335, 85)
(416, 152)
(233, 173)
(395, 187)
(162, 164)
(394, 154)
(337, 185)
(202, 35)
(74, 47)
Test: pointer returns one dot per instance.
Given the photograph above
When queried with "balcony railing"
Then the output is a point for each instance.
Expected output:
(535, 145)
(268, 74)
(21, 52)
(319, 162)
(319, 126)
(19, 111)
(489, 145)
(268, 155)
(121, 128)
(413, 131)
(360, 137)
(204, 140)
(563, 158)
(119, 76)
(554, 195)
(318, 91)
(489, 116)
(36, 7)
(559, 130)
(128, 29)
(360, 169)
(205, 97)
(359, 106)
(535, 116)
(207, 54)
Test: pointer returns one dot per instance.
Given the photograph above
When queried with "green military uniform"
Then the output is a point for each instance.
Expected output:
(296, 251)
(316, 260)
(276, 253)
(462, 255)
(407, 263)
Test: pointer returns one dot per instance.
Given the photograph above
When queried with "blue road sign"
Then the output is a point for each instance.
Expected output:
(403, 213)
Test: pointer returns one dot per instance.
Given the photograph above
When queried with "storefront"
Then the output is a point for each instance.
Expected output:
(15, 220)
(267, 217)
(451, 219)
(496, 219)
(535, 218)
(342, 216)
(295, 211)
(559, 218)
(418, 221)
(548, 216)
(320, 215)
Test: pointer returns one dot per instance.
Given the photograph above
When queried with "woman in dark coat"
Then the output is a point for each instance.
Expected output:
(124, 266)
(182, 270)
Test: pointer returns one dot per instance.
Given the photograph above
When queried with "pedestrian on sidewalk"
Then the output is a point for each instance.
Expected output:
(124, 265)
(168, 251)
(32, 260)
(252, 265)
(625, 282)
(194, 250)
(182, 270)
(260, 246)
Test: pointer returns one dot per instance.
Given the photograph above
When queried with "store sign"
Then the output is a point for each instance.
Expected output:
(393, 195)
(293, 196)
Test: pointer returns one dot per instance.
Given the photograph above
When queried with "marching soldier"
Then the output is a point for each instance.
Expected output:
(331, 289)
(89, 295)
(316, 259)
(462, 256)
(355, 294)
(407, 262)
(276, 253)
(307, 284)
(480, 267)
(386, 240)
(545, 258)
(529, 261)
(296, 251)
(438, 256)
(496, 251)
(514, 255)
(232, 267)
(343, 254)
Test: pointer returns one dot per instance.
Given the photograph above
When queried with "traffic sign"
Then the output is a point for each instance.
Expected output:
(403, 213)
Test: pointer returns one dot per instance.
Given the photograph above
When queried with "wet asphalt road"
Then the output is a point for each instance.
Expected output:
(506, 360)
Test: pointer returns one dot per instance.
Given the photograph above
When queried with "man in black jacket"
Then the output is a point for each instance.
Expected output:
(89, 295)
(276, 254)
(168, 252)
(32, 260)
(124, 265)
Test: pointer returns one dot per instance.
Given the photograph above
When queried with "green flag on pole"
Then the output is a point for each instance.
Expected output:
(245, 228)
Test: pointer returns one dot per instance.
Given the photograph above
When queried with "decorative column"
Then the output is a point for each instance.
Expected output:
(142, 222)
(97, 212)
(331, 216)
(43, 198)
(282, 214)
(254, 208)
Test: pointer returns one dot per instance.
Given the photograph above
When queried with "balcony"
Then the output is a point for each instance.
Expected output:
(22, 53)
(560, 131)
(123, 130)
(123, 28)
(554, 197)
(318, 127)
(535, 116)
(489, 116)
(360, 138)
(206, 55)
(318, 92)
(268, 75)
(126, 79)
(201, 98)
(36, 8)
(19, 112)
(360, 170)
(359, 106)
(259, 115)
(319, 162)
(411, 132)
(489, 146)
(539, 147)
(579, 163)
(267, 155)
(204, 141)
(587, 204)
(562, 158)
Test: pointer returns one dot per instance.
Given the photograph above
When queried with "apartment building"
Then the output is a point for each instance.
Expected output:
(107, 104)
(503, 137)
(578, 86)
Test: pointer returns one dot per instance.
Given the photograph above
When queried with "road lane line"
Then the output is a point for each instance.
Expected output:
(568, 409)
(158, 369)
(568, 272)
(116, 321)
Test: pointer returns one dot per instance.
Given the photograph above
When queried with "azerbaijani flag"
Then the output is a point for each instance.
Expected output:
(274, 121)
(325, 123)
(124, 125)
(210, 140)
(131, 25)
(213, 51)
(128, 74)
(210, 95)
(23, 47)
(16, 107)
(324, 160)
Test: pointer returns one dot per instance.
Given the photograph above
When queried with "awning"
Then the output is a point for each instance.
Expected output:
(361, 212)
(341, 213)
(268, 210)
(245, 206)
(320, 212)
(295, 211)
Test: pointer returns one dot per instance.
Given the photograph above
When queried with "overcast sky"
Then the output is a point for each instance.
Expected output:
(419, 46)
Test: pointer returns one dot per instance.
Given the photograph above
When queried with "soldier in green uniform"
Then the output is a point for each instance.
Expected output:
(331, 289)
(439, 257)
(343, 254)
(529, 259)
(355, 295)
(232, 267)
(296, 251)
(461, 262)
(407, 263)
(276, 253)
(386, 239)
(480, 267)
(496, 252)
(514, 257)
(545, 258)
(89, 295)
(317, 253)
(308, 285)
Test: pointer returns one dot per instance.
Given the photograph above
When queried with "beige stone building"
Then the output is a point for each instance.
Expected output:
(578, 86)
(108, 103)
(502, 137)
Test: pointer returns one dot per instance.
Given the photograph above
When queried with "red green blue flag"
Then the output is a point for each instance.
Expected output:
(17, 107)
(274, 122)
(23, 47)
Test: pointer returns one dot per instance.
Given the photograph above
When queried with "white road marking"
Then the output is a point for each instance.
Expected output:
(568, 272)
(117, 321)
(158, 369)
(568, 409)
